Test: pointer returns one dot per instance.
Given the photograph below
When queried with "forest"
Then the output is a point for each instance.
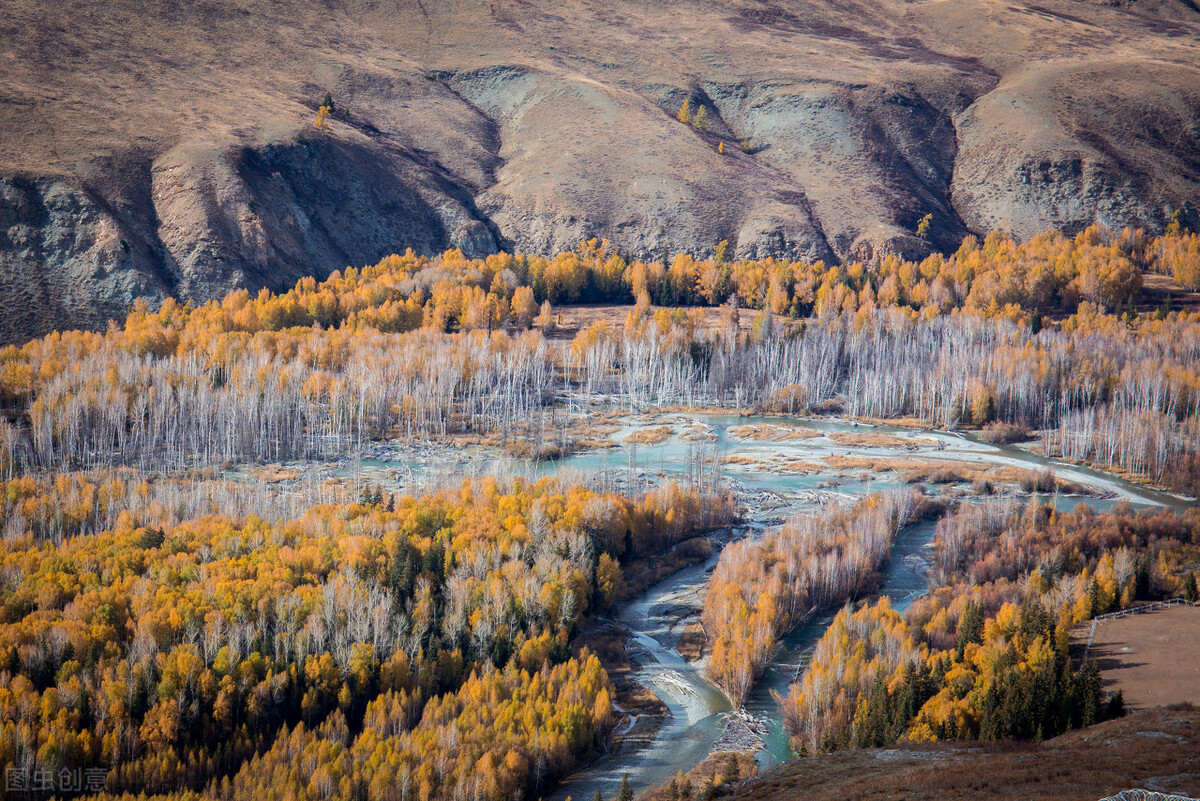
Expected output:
(762, 589)
(400, 350)
(177, 627)
(984, 654)
(413, 647)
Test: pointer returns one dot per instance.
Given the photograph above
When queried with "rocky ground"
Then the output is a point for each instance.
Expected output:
(168, 148)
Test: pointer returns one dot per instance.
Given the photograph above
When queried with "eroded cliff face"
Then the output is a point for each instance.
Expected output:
(66, 257)
(245, 217)
(159, 149)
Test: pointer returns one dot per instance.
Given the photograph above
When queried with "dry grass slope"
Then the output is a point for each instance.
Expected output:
(164, 148)
(1154, 749)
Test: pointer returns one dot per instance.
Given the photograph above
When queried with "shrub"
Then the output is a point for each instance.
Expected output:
(1003, 433)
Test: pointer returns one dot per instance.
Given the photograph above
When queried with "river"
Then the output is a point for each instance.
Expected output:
(761, 469)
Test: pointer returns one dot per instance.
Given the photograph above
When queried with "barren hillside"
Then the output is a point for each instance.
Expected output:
(168, 148)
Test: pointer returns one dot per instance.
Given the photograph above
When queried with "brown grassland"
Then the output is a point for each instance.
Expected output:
(1153, 659)
(1155, 749)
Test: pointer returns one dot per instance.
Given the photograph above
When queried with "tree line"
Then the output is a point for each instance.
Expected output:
(985, 654)
(316, 371)
(185, 388)
(762, 589)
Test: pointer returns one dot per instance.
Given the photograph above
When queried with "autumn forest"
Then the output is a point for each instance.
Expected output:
(232, 569)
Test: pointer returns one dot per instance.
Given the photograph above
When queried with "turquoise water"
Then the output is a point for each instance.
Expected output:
(697, 708)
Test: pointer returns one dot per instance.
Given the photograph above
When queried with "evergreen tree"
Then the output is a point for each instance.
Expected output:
(1164, 309)
(435, 561)
(626, 791)
(1115, 707)
(1035, 621)
(970, 626)
(1093, 596)
(1141, 579)
(402, 570)
(1087, 695)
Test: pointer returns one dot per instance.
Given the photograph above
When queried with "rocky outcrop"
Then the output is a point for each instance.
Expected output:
(1025, 164)
(215, 219)
(561, 185)
(131, 168)
(268, 216)
(68, 258)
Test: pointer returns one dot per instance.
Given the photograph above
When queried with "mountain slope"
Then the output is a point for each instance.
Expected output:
(155, 149)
